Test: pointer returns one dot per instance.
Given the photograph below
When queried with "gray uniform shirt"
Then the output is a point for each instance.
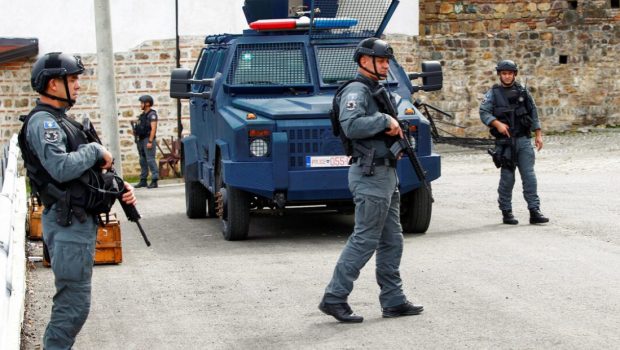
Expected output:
(49, 142)
(488, 102)
(360, 117)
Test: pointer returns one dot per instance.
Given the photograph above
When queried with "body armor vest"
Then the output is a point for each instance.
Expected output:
(92, 192)
(512, 104)
(348, 144)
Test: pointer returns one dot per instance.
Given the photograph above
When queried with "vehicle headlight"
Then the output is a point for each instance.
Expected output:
(259, 148)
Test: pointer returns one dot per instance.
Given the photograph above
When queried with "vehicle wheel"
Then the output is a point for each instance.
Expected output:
(196, 196)
(235, 213)
(233, 208)
(416, 210)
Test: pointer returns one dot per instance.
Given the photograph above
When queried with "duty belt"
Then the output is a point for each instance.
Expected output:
(377, 161)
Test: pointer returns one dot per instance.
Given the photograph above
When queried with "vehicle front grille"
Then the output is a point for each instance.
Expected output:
(303, 142)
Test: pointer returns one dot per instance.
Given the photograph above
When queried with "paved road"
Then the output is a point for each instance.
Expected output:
(483, 284)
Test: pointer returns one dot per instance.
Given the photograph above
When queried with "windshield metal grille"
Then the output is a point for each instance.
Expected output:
(269, 64)
(336, 64)
(367, 15)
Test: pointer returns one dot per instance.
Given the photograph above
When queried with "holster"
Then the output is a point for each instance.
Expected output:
(366, 160)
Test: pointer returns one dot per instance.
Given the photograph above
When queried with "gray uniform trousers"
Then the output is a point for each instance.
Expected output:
(148, 160)
(71, 250)
(526, 159)
(377, 228)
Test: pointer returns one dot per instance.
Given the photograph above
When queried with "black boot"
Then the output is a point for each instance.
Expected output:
(342, 312)
(153, 184)
(536, 217)
(140, 184)
(508, 218)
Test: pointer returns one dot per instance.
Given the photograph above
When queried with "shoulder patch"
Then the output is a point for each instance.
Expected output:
(486, 97)
(351, 105)
(51, 136)
(153, 116)
(50, 124)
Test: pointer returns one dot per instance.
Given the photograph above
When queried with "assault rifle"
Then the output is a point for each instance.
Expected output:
(510, 113)
(130, 210)
(384, 99)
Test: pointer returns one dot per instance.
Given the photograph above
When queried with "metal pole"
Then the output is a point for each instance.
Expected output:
(105, 82)
(178, 58)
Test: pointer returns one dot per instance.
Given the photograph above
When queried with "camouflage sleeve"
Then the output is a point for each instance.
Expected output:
(356, 120)
(533, 112)
(48, 141)
(486, 108)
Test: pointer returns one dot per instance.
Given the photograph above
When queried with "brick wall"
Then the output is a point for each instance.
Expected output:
(568, 57)
(144, 70)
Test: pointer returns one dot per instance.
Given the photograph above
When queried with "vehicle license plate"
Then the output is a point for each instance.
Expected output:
(327, 161)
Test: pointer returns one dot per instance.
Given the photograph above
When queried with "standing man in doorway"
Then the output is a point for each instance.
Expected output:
(145, 130)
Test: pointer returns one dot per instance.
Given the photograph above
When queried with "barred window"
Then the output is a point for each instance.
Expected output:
(336, 64)
(269, 64)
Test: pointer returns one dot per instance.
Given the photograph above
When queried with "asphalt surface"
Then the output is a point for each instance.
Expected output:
(483, 284)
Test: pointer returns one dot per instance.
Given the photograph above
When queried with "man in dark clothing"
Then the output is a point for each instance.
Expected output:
(57, 152)
(145, 130)
(509, 110)
(376, 195)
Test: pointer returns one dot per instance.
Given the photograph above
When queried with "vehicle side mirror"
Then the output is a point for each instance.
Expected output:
(181, 84)
(432, 77)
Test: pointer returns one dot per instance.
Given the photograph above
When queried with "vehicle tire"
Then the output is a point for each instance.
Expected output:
(416, 210)
(196, 196)
(236, 216)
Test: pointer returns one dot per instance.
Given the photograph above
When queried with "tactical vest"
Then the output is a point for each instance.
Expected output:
(518, 104)
(143, 128)
(347, 143)
(91, 193)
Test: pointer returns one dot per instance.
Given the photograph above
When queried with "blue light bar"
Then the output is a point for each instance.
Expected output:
(333, 23)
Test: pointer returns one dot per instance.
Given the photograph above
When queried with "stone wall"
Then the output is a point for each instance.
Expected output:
(567, 56)
(144, 70)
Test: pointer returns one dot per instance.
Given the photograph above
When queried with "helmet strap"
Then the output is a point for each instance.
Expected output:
(68, 100)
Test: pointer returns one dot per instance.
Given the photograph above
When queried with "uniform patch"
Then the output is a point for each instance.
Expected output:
(351, 101)
(153, 117)
(51, 136)
(50, 124)
(486, 97)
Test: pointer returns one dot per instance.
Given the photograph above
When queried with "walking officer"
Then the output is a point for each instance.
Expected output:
(146, 130)
(374, 184)
(56, 154)
(510, 112)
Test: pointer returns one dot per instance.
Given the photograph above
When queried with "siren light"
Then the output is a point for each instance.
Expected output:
(303, 23)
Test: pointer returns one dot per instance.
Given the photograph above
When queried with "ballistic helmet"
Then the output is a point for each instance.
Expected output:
(146, 99)
(54, 65)
(373, 47)
(506, 65)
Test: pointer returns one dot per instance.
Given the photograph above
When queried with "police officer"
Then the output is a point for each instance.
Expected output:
(145, 130)
(509, 110)
(375, 191)
(55, 155)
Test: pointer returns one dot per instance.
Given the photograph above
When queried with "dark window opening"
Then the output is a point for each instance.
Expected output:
(563, 59)
(573, 4)
(615, 4)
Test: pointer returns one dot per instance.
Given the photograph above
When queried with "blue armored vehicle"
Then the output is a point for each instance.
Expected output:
(261, 136)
